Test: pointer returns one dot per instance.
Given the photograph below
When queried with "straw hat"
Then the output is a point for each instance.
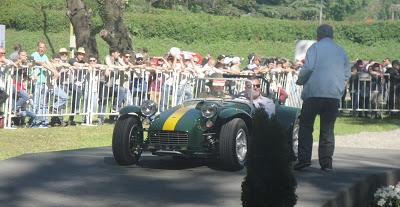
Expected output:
(81, 50)
(63, 50)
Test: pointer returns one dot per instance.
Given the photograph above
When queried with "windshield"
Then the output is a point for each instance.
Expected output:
(240, 89)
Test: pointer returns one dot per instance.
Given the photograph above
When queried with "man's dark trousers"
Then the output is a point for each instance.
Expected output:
(328, 109)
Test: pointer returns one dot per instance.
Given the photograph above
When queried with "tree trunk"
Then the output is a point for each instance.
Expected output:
(80, 19)
(45, 26)
(115, 33)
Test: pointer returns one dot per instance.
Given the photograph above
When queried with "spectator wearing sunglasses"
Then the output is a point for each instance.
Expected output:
(77, 87)
(94, 76)
(139, 59)
(125, 95)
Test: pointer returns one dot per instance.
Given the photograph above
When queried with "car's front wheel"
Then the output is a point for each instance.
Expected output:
(294, 141)
(233, 144)
(127, 141)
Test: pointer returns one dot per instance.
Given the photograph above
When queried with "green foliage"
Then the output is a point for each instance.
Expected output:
(28, 15)
(269, 181)
(368, 33)
(159, 46)
(188, 27)
(202, 27)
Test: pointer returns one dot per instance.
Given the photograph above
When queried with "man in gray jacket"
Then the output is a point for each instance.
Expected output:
(323, 76)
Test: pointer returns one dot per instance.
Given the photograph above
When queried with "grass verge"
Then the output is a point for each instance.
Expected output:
(21, 141)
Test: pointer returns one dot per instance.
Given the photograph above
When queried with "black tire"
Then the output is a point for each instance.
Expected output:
(54, 120)
(228, 153)
(127, 141)
(294, 139)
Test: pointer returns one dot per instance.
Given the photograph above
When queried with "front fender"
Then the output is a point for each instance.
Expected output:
(130, 110)
(230, 113)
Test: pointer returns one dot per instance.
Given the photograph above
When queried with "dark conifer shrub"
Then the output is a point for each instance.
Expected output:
(270, 181)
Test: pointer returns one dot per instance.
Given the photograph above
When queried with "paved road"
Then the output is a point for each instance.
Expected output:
(90, 177)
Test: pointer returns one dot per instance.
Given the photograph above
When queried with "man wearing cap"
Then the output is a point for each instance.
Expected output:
(188, 63)
(63, 52)
(139, 59)
(235, 67)
(138, 84)
(65, 68)
(78, 77)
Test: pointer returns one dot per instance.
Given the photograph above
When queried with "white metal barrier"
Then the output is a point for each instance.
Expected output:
(89, 92)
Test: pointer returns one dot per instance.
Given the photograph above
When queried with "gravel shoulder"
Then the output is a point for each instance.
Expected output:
(372, 140)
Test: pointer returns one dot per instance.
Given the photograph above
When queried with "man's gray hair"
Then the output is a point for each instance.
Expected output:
(325, 30)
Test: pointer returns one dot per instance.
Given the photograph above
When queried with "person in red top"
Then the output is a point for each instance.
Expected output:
(20, 77)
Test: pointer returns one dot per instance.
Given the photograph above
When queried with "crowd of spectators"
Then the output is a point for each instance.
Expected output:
(59, 76)
(374, 85)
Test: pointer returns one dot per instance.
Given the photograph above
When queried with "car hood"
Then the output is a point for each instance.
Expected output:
(180, 118)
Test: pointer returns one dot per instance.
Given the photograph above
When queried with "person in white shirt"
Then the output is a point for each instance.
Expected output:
(4, 64)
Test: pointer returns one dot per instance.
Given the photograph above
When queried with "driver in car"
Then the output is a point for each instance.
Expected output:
(253, 90)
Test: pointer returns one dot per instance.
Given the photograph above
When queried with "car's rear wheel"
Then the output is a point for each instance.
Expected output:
(233, 144)
(127, 141)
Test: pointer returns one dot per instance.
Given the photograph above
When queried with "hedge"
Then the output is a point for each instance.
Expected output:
(190, 27)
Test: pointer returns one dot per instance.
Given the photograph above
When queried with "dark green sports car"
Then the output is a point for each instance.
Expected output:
(216, 127)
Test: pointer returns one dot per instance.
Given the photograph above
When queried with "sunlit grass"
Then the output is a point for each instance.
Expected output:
(352, 125)
(20, 141)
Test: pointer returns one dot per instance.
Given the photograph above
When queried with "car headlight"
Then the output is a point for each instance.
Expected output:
(148, 108)
(209, 110)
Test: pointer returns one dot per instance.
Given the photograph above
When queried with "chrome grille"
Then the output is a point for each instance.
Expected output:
(168, 138)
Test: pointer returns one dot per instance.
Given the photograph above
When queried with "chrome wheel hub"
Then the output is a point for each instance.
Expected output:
(241, 145)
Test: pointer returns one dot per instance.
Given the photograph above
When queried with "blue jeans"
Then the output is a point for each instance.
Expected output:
(184, 92)
(61, 97)
(31, 115)
(40, 103)
(124, 96)
(22, 97)
(94, 105)
(76, 92)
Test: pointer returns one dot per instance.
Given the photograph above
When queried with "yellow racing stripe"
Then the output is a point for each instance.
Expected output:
(170, 123)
